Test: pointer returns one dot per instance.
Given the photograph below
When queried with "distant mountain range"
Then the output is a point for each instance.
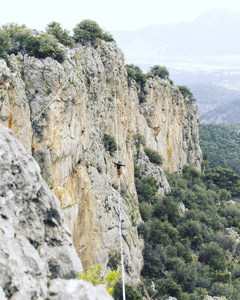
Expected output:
(213, 33)
(203, 54)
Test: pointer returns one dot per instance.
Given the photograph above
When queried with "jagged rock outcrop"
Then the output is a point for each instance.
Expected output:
(35, 244)
(93, 100)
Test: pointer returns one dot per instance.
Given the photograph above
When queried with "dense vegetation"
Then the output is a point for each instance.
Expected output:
(15, 39)
(221, 145)
(188, 253)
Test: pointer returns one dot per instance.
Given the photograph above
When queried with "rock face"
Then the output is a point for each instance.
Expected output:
(35, 245)
(74, 289)
(93, 105)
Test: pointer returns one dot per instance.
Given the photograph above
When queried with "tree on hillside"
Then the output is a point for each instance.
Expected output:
(89, 31)
(44, 46)
(186, 93)
(5, 43)
(13, 37)
(159, 71)
(213, 256)
(62, 35)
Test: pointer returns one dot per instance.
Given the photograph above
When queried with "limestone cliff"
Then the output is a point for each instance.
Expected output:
(35, 245)
(91, 98)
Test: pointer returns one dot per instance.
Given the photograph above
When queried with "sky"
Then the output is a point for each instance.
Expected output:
(109, 14)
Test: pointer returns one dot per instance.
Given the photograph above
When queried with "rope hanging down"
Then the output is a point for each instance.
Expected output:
(119, 198)
(47, 106)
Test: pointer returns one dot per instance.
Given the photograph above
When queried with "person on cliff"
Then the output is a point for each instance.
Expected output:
(119, 165)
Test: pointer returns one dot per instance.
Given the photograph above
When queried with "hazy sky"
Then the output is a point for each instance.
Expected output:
(109, 14)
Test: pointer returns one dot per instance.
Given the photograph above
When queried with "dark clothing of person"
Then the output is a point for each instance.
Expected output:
(119, 165)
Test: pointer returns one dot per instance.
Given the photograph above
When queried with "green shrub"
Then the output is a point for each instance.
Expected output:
(44, 46)
(5, 42)
(147, 189)
(15, 35)
(192, 230)
(94, 276)
(159, 71)
(185, 275)
(154, 156)
(15, 39)
(154, 260)
(144, 230)
(136, 73)
(170, 288)
(213, 256)
(62, 35)
(137, 172)
(109, 144)
(224, 277)
(114, 259)
(186, 93)
(167, 209)
(131, 293)
(145, 210)
(89, 31)
(190, 173)
(222, 290)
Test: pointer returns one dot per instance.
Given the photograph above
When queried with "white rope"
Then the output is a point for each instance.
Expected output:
(46, 107)
(119, 197)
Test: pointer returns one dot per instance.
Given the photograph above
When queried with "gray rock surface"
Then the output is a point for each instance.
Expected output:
(35, 244)
(74, 289)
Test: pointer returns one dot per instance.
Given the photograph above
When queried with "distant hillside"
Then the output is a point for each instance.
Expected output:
(210, 96)
(227, 113)
(222, 144)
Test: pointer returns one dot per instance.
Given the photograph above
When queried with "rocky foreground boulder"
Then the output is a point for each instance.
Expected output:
(35, 245)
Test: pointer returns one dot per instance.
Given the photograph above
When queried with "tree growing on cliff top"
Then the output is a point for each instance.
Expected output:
(89, 31)
(15, 39)
(62, 35)
(159, 71)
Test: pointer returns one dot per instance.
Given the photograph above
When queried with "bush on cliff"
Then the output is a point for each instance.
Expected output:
(44, 46)
(15, 39)
(109, 144)
(187, 95)
(89, 31)
(62, 35)
(159, 71)
(154, 156)
(94, 276)
(131, 293)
